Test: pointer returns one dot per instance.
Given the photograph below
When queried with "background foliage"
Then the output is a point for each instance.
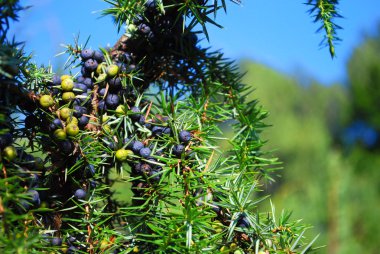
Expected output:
(327, 138)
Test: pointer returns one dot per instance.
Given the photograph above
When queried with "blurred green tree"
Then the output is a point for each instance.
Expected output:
(302, 118)
(336, 185)
(364, 82)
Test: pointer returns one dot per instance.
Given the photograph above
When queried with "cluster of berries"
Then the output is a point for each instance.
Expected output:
(28, 169)
(74, 100)
(66, 106)
(71, 244)
(157, 27)
(158, 34)
(147, 166)
(96, 102)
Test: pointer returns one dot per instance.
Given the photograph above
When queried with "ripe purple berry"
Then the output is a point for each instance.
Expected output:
(111, 144)
(33, 180)
(102, 92)
(156, 176)
(102, 105)
(80, 194)
(56, 241)
(137, 168)
(79, 111)
(29, 161)
(243, 222)
(66, 146)
(145, 152)
(146, 168)
(112, 100)
(90, 171)
(126, 57)
(98, 56)
(91, 65)
(135, 116)
(83, 121)
(57, 122)
(114, 84)
(72, 250)
(88, 82)
(35, 197)
(56, 80)
(52, 127)
(184, 136)
(86, 54)
(143, 28)
(151, 6)
(80, 79)
(178, 150)
(137, 146)
(80, 88)
(25, 206)
(167, 131)
(157, 130)
(142, 120)
(71, 240)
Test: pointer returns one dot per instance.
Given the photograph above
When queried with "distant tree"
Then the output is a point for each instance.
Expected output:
(364, 88)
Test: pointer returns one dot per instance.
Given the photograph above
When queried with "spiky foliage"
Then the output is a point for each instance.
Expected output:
(325, 12)
(142, 117)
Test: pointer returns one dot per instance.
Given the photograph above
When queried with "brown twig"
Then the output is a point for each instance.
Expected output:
(148, 111)
(89, 231)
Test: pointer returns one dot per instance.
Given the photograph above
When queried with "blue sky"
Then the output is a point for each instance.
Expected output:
(277, 33)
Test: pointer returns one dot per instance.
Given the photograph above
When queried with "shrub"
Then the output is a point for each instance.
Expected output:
(100, 124)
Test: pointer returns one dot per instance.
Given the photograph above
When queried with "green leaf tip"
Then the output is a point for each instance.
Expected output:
(324, 12)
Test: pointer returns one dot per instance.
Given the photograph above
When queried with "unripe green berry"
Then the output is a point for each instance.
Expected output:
(60, 134)
(122, 154)
(72, 129)
(46, 101)
(65, 113)
(67, 84)
(101, 68)
(112, 70)
(68, 96)
(63, 77)
(72, 119)
(10, 153)
(120, 111)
